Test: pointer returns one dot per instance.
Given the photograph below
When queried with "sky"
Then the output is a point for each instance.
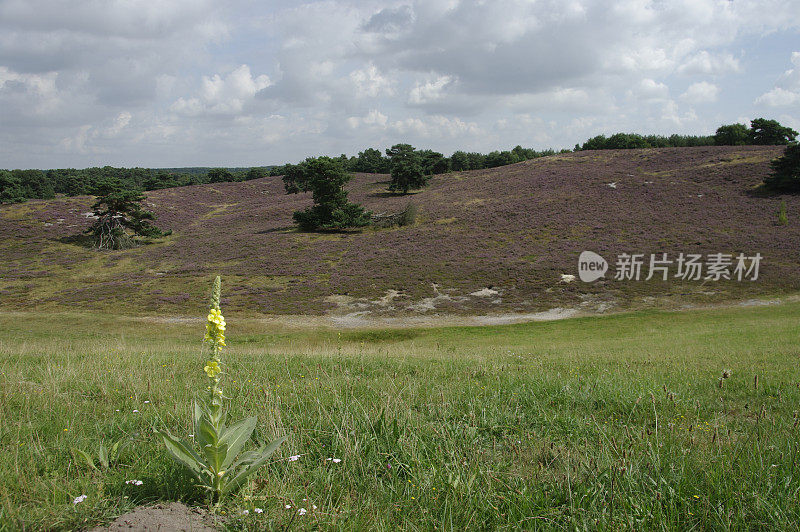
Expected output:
(174, 83)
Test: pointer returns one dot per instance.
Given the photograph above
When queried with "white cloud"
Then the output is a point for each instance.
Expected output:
(701, 92)
(779, 97)
(707, 64)
(120, 123)
(373, 118)
(649, 90)
(29, 92)
(435, 127)
(371, 83)
(220, 95)
(429, 91)
(202, 82)
(787, 89)
(671, 114)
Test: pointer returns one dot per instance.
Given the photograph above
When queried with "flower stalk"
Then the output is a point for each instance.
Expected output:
(217, 467)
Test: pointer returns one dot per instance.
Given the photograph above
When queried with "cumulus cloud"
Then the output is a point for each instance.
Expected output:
(137, 82)
(705, 63)
(223, 95)
(787, 89)
(435, 127)
(650, 90)
(701, 92)
(429, 91)
(369, 82)
(32, 92)
(373, 118)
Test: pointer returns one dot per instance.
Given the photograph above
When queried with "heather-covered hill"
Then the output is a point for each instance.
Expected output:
(485, 242)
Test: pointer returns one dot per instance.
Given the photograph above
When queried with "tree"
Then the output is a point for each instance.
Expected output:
(785, 175)
(371, 161)
(219, 175)
(433, 162)
(296, 178)
(500, 158)
(459, 161)
(407, 171)
(120, 217)
(256, 173)
(770, 132)
(11, 190)
(34, 184)
(595, 143)
(732, 135)
(477, 161)
(325, 178)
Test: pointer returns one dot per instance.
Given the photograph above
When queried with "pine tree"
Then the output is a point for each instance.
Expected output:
(121, 218)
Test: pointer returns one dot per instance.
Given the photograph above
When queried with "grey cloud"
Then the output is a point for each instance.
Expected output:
(389, 20)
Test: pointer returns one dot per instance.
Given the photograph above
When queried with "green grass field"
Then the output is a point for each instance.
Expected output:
(612, 422)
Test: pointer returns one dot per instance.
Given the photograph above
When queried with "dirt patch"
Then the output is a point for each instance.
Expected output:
(174, 516)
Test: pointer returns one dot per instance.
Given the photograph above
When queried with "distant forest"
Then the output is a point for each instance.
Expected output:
(19, 185)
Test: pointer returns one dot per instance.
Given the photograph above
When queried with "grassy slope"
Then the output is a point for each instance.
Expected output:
(615, 421)
(515, 228)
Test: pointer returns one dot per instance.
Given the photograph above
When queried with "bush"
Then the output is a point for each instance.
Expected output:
(785, 175)
(408, 216)
(783, 218)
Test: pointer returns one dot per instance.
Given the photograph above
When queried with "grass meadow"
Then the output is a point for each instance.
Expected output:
(615, 422)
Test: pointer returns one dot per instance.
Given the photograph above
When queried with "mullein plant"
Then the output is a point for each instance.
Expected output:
(217, 467)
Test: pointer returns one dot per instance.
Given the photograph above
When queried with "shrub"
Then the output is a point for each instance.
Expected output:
(408, 216)
(783, 218)
(785, 175)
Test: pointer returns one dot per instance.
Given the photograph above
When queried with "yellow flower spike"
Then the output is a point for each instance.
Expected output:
(212, 368)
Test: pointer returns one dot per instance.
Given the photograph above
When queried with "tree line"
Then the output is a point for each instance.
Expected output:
(762, 132)
(410, 167)
(19, 185)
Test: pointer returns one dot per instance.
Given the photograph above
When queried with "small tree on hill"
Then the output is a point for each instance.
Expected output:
(770, 132)
(732, 135)
(121, 218)
(407, 170)
(785, 175)
(325, 178)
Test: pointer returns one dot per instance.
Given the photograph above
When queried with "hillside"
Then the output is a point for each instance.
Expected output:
(486, 241)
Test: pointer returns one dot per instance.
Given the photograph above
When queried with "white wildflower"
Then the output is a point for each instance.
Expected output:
(79, 499)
